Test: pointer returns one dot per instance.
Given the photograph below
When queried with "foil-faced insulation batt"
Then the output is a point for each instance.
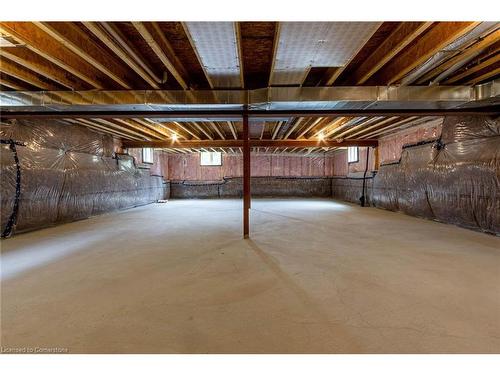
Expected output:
(317, 44)
(217, 47)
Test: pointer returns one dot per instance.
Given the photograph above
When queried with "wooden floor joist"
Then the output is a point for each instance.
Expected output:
(78, 42)
(119, 46)
(148, 32)
(30, 60)
(401, 37)
(41, 43)
(438, 37)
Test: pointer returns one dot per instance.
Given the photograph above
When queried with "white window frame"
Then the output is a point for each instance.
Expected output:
(353, 154)
(147, 155)
(210, 159)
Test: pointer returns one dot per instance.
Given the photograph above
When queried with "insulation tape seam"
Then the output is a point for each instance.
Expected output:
(352, 178)
(421, 143)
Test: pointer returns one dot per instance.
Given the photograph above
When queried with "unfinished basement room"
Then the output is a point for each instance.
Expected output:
(250, 187)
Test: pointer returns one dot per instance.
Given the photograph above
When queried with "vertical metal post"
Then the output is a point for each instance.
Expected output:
(246, 175)
(363, 196)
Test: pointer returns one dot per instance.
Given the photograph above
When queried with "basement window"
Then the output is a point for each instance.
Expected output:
(147, 155)
(352, 154)
(210, 158)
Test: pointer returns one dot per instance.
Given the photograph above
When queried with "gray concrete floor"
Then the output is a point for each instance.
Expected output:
(318, 276)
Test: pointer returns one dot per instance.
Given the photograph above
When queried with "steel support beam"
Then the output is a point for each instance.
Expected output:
(235, 143)
(246, 178)
(208, 115)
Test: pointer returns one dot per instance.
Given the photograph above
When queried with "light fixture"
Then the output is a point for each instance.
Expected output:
(174, 137)
(321, 136)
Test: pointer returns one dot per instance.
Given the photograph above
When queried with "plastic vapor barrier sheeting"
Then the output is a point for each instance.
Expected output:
(65, 173)
(454, 180)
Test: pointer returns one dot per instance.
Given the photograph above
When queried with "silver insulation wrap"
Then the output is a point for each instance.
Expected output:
(66, 173)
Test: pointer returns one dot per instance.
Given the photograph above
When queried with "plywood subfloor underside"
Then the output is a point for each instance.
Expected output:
(317, 276)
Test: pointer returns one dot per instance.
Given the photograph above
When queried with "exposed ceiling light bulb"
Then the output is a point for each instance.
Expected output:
(174, 137)
(321, 136)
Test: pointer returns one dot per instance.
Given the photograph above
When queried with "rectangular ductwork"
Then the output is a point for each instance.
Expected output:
(358, 99)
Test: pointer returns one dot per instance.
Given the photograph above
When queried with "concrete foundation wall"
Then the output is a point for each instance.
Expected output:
(350, 189)
(260, 187)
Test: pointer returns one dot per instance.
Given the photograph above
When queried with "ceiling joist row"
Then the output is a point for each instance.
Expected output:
(59, 56)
